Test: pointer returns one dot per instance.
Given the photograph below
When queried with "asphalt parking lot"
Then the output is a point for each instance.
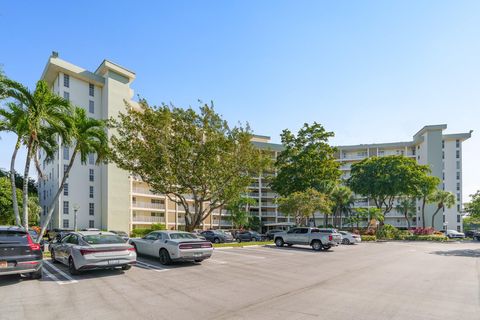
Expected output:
(394, 280)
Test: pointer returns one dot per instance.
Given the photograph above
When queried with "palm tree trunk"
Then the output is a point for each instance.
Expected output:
(433, 217)
(16, 211)
(25, 184)
(423, 211)
(51, 208)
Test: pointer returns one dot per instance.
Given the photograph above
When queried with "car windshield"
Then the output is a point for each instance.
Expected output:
(102, 239)
(182, 236)
(255, 233)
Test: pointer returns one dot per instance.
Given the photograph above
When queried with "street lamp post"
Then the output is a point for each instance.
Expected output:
(75, 210)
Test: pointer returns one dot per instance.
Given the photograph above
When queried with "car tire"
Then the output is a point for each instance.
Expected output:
(317, 245)
(164, 257)
(279, 242)
(345, 241)
(239, 240)
(198, 260)
(216, 240)
(126, 267)
(71, 267)
(52, 256)
(36, 274)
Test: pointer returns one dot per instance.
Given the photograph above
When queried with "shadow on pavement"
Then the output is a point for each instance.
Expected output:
(298, 248)
(459, 253)
(174, 265)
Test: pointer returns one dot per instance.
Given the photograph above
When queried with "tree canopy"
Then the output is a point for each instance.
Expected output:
(306, 162)
(181, 152)
(473, 207)
(303, 205)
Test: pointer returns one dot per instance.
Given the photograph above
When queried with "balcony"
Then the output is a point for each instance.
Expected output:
(268, 204)
(148, 219)
(148, 205)
(269, 214)
(140, 190)
(269, 195)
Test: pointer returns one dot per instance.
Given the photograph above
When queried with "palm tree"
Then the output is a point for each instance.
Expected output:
(342, 198)
(407, 207)
(89, 137)
(44, 110)
(442, 199)
(14, 120)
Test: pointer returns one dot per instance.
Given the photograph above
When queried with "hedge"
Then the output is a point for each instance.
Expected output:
(368, 238)
(141, 232)
(425, 238)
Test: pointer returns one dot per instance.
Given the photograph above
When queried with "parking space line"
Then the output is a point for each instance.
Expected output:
(60, 271)
(151, 266)
(54, 277)
(241, 254)
(270, 251)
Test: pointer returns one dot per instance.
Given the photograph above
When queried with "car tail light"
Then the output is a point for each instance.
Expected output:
(28, 262)
(132, 249)
(185, 246)
(206, 245)
(33, 246)
(330, 238)
(86, 251)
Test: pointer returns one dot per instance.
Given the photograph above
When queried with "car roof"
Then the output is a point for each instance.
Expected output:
(12, 228)
(170, 231)
(91, 233)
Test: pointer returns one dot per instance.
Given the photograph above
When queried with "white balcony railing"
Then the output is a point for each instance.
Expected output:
(148, 219)
(147, 205)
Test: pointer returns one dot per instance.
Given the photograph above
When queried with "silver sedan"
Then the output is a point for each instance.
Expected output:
(93, 250)
(171, 246)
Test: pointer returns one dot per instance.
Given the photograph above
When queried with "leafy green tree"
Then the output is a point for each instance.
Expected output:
(239, 211)
(254, 223)
(407, 207)
(425, 187)
(32, 184)
(370, 215)
(342, 199)
(303, 205)
(473, 207)
(443, 199)
(306, 162)
(180, 152)
(88, 136)
(46, 115)
(7, 216)
(382, 179)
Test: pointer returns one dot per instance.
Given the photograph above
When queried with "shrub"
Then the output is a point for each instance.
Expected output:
(426, 238)
(140, 232)
(388, 232)
(422, 231)
(369, 238)
(158, 226)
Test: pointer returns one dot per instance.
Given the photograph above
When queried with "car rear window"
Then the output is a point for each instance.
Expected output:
(7, 236)
(182, 236)
(102, 239)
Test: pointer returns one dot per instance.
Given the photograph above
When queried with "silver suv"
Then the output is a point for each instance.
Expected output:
(319, 239)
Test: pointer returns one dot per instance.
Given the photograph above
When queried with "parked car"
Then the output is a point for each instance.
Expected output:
(471, 233)
(121, 234)
(454, 234)
(19, 254)
(271, 233)
(249, 236)
(350, 238)
(476, 236)
(319, 239)
(52, 234)
(215, 236)
(198, 234)
(86, 250)
(228, 235)
(170, 246)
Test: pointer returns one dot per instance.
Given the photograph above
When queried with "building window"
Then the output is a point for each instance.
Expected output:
(65, 189)
(65, 168)
(458, 218)
(91, 192)
(458, 165)
(66, 207)
(66, 153)
(458, 207)
(44, 194)
(91, 224)
(458, 228)
(91, 106)
(457, 143)
(91, 158)
(66, 95)
(458, 175)
(91, 209)
(443, 186)
(458, 186)
(443, 175)
(44, 210)
(458, 196)
(443, 154)
(91, 175)
(458, 154)
(66, 223)
(443, 218)
(91, 90)
(66, 80)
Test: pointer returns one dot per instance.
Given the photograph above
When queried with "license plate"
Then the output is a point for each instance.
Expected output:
(113, 262)
(3, 264)
(197, 254)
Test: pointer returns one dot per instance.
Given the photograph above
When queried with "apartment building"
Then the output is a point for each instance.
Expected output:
(104, 196)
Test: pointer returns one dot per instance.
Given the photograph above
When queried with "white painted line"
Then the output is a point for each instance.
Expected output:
(242, 254)
(52, 276)
(151, 266)
(272, 251)
(217, 261)
(60, 272)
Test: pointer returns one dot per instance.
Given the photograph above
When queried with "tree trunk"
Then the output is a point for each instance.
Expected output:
(423, 211)
(16, 211)
(313, 217)
(406, 218)
(51, 208)
(25, 184)
(433, 217)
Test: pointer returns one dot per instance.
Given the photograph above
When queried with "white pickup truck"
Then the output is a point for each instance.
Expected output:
(319, 239)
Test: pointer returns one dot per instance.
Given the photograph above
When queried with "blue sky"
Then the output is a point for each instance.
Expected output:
(371, 71)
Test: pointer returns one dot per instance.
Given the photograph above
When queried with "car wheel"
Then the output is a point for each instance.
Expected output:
(239, 240)
(36, 274)
(52, 256)
(216, 240)
(126, 267)
(198, 260)
(165, 257)
(316, 245)
(71, 267)
(279, 242)
(345, 241)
